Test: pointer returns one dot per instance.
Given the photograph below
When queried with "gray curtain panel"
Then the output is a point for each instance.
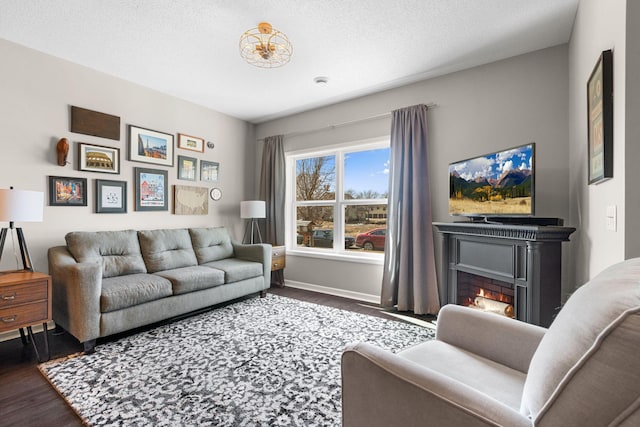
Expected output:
(409, 277)
(272, 191)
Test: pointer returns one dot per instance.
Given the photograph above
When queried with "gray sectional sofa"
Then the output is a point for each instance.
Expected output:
(107, 282)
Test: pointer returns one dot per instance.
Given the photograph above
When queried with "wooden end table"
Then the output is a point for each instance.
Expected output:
(25, 300)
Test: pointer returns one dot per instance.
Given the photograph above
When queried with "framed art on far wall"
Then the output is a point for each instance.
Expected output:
(150, 146)
(111, 196)
(98, 158)
(151, 192)
(188, 142)
(600, 119)
(209, 171)
(187, 168)
(67, 191)
(190, 200)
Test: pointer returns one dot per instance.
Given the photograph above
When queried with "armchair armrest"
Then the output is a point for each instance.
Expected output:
(76, 294)
(498, 338)
(380, 388)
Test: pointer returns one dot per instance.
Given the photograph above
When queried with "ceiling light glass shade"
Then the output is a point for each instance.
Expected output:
(265, 47)
(21, 205)
(253, 209)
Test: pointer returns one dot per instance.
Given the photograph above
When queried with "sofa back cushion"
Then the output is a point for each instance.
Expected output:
(118, 251)
(166, 249)
(587, 362)
(211, 244)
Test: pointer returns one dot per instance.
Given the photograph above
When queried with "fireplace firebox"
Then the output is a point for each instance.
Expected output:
(509, 269)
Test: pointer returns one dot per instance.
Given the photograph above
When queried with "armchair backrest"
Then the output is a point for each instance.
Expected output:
(588, 362)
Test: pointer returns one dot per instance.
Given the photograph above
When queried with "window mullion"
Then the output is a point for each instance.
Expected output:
(338, 225)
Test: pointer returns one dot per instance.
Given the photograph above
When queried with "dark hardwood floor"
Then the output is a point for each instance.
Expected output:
(27, 399)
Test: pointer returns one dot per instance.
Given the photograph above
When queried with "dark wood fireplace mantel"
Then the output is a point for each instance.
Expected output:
(529, 257)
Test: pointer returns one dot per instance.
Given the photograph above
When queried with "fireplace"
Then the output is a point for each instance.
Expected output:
(485, 294)
(511, 269)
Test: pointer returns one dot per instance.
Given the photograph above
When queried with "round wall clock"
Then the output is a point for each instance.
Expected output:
(215, 193)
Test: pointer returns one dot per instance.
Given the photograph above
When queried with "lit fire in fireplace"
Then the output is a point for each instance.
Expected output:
(492, 303)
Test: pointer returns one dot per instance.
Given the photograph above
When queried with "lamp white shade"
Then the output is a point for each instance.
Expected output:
(21, 205)
(253, 209)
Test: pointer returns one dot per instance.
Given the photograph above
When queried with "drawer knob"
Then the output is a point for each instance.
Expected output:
(9, 319)
(8, 297)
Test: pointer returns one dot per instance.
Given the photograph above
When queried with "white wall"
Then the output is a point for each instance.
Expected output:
(480, 110)
(36, 91)
(599, 25)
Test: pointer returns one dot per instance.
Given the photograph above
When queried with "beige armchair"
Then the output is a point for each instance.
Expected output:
(484, 369)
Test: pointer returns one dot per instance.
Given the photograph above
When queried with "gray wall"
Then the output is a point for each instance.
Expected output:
(632, 131)
(599, 26)
(35, 93)
(483, 109)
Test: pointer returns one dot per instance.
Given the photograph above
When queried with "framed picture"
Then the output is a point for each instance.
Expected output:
(67, 191)
(187, 168)
(111, 196)
(190, 200)
(600, 119)
(209, 171)
(97, 158)
(150, 146)
(151, 189)
(188, 142)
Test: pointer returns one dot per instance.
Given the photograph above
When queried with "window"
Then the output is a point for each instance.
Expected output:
(339, 199)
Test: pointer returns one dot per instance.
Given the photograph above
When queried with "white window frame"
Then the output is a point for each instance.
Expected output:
(339, 204)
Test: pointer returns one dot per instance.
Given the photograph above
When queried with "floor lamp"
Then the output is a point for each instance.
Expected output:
(19, 206)
(252, 210)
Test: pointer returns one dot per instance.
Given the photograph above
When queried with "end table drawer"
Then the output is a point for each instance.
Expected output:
(23, 315)
(23, 293)
(278, 258)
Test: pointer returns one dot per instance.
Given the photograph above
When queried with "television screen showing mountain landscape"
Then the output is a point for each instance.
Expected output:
(500, 183)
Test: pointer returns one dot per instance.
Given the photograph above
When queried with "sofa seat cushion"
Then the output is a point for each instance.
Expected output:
(486, 376)
(166, 249)
(189, 279)
(211, 244)
(117, 251)
(236, 269)
(594, 321)
(133, 289)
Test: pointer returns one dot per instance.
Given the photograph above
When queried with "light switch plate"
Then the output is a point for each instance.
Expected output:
(612, 218)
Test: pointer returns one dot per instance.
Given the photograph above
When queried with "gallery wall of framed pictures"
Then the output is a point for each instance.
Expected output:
(150, 184)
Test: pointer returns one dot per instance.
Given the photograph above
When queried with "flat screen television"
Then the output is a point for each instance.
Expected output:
(499, 184)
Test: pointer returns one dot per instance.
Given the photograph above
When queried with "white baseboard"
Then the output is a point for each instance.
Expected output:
(6, 336)
(374, 299)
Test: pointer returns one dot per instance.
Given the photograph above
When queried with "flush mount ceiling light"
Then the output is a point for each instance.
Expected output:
(265, 47)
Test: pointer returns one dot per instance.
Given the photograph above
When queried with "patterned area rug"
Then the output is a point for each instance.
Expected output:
(271, 361)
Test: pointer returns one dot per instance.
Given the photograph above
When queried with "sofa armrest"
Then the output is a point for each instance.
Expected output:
(76, 293)
(498, 338)
(257, 252)
(380, 388)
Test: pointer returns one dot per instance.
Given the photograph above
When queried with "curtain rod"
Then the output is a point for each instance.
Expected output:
(337, 125)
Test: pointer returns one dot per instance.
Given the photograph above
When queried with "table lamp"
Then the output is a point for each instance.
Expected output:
(20, 206)
(252, 209)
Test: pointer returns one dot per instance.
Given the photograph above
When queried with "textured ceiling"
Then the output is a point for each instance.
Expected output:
(189, 48)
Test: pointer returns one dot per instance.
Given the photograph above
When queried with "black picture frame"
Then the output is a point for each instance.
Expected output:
(600, 120)
(111, 196)
(67, 191)
(152, 189)
(187, 168)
